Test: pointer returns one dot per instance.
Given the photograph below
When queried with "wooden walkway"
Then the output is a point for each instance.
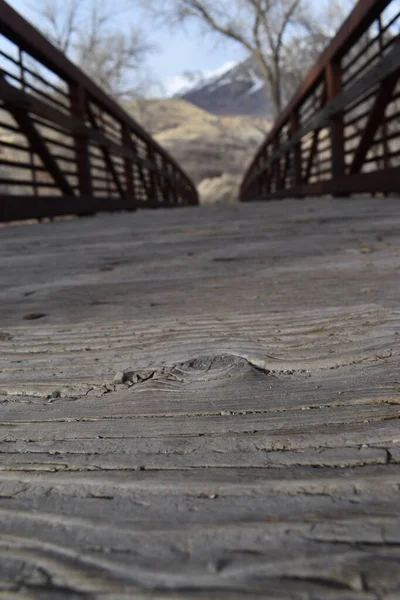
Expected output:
(202, 403)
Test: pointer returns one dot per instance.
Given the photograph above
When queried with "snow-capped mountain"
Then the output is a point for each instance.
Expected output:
(237, 90)
(180, 84)
(240, 89)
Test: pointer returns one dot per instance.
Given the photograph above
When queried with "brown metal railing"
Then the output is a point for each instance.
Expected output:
(340, 133)
(65, 146)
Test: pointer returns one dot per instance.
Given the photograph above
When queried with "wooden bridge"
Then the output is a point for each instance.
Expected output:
(201, 402)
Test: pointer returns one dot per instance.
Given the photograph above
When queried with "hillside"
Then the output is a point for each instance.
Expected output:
(213, 150)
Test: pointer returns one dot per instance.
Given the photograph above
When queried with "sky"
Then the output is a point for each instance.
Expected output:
(175, 52)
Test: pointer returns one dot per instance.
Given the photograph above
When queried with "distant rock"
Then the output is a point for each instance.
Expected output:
(218, 190)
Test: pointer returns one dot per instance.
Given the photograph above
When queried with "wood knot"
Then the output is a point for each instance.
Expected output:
(213, 370)
(209, 367)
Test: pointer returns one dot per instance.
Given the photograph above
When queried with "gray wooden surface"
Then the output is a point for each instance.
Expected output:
(202, 403)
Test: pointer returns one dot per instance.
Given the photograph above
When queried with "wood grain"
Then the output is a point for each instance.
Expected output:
(202, 403)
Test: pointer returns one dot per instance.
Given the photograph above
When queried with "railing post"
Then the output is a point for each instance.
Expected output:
(78, 110)
(31, 153)
(128, 164)
(276, 166)
(295, 126)
(259, 181)
(334, 87)
(160, 181)
(386, 150)
(263, 177)
(152, 178)
(169, 192)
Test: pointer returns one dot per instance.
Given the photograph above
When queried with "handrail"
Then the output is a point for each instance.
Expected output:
(65, 145)
(340, 134)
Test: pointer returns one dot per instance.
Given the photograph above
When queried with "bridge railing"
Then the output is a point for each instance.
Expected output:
(65, 145)
(340, 133)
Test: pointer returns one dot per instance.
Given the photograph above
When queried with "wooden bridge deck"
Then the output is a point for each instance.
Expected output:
(202, 403)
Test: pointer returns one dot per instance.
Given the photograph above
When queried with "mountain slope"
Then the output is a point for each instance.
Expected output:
(239, 91)
(242, 90)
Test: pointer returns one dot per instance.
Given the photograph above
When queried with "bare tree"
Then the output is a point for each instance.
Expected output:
(264, 28)
(88, 32)
(61, 21)
(108, 55)
(305, 44)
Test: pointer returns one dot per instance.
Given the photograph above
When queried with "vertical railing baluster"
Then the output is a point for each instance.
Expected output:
(152, 180)
(31, 154)
(78, 98)
(297, 171)
(277, 162)
(128, 164)
(386, 162)
(334, 86)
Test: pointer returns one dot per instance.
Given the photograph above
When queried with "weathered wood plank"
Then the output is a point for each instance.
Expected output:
(207, 407)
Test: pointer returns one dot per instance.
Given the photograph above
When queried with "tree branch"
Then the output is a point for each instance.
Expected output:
(226, 30)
